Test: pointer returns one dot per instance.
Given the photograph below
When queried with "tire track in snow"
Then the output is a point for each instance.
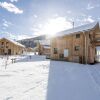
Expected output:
(95, 74)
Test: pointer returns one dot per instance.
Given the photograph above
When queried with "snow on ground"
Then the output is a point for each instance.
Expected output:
(37, 78)
(24, 80)
(71, 81)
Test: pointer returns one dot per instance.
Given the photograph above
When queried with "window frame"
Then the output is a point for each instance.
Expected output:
(77, 36)
(2, 43)
(55, 51)
(77, 48)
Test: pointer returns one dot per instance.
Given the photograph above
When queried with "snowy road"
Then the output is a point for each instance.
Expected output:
(41, 79)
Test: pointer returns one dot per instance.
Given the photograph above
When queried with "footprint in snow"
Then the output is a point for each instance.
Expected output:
(8, 98)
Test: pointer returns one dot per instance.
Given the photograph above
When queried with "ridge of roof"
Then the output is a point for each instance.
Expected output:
(16, 43)
(77, 29)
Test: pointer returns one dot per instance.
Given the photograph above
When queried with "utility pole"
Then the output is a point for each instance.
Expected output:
(73, 24)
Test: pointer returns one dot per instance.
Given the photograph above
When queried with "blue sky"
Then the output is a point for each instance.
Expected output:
(27, 18)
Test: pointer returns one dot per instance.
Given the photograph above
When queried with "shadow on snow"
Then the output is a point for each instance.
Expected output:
(32, 58)
(71, 81)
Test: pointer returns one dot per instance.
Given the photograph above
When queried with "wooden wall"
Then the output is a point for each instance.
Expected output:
(69, 42)
(15, 49)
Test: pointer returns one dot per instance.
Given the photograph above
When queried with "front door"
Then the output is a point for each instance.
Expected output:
(9, 51)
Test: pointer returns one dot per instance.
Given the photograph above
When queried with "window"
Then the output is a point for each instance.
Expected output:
(77, 48)
(3, 50)
(55, 50)
(77, 35)
(2, 43)
(61, 55)
(89, 36)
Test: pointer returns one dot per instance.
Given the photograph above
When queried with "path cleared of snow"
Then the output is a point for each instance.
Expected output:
(37, 78)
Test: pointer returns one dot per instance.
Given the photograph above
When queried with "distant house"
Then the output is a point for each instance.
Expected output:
(76, 45)
(10, 47)
(29, 49)
(44, 47)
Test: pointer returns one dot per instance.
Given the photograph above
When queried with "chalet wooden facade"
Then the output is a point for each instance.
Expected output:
(44, 47)
(76, 45)
(29, 49)
(10, 47)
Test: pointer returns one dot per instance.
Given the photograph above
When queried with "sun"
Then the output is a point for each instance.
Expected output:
(55, 25)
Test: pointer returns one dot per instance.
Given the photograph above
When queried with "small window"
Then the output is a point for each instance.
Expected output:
(2, 43)
(61, 55)
(89, 36)
(3, 50)
(77, 35)
(77, 48)
(55, 51)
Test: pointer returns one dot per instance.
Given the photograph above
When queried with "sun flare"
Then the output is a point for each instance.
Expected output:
(55, 25)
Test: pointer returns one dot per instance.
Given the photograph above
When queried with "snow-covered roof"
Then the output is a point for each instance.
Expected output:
(14, 42)
(44, 42)
(77, 29)
(46, 46)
